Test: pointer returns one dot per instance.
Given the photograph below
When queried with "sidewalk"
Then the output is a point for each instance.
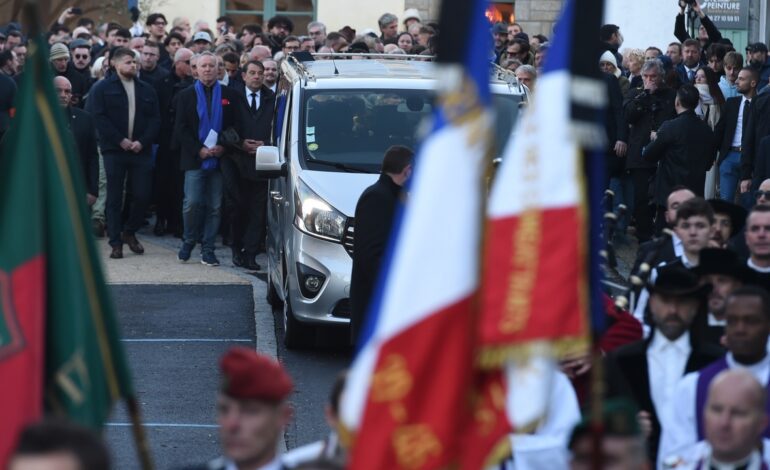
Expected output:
(159, 265)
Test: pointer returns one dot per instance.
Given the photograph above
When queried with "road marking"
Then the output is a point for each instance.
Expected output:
(164, 425)
(185, 340)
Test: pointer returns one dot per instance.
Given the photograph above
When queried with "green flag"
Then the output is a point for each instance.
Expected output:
(44, 214)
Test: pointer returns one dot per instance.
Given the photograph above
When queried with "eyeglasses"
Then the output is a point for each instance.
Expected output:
(84, 56)
(160, 23)
(760, 194)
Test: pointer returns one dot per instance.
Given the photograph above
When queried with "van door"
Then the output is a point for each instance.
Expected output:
(278, 197)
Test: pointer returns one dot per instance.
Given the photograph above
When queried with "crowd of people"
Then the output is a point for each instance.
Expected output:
(167, 118)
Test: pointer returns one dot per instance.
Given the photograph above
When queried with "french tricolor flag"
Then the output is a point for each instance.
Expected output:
(406, 399)
(541, 268)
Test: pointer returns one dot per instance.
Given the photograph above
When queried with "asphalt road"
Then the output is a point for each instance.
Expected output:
(174, 335)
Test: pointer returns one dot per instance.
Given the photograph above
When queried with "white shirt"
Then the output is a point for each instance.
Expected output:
(666, 362)
(714, 321)
(250, 98)
(678, 245)
(756, 268)
(680, 428)
(738, 137)
(275, 464)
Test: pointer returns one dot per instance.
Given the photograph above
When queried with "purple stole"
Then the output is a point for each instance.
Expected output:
(705, 376)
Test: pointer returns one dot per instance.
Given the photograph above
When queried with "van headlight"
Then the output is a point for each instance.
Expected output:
(315, 216)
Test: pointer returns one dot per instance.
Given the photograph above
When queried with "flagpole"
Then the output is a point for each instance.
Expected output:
(140, 437)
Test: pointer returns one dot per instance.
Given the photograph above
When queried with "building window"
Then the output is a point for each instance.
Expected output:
(504, 11)
(244, 12)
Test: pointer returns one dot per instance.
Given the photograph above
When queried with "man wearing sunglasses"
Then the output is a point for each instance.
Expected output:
(81, 60)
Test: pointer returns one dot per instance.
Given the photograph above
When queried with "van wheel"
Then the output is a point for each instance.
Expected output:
(272, 294)
(295, 334)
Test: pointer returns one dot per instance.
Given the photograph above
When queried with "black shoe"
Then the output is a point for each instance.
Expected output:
(250, 263)
(238, 259)
(98, 228)
(160, 228)
(117, 252)
(133, 243)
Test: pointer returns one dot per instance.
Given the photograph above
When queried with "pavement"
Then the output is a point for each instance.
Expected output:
(177, 319)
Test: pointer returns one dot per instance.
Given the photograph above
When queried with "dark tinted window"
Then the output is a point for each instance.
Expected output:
(355, 127)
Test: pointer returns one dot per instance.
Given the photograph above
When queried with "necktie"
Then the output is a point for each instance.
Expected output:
(746, 112)
(253, 102)
(690, 75)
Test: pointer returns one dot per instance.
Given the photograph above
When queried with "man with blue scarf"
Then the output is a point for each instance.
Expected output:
(205, 111)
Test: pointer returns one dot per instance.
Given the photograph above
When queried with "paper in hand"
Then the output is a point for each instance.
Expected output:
(211, 139)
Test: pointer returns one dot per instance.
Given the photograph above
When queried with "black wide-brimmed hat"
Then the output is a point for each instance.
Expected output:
(736, 213)
(678, 281)
(724, 262)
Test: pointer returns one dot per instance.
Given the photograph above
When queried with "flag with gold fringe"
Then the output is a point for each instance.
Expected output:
(541, 259)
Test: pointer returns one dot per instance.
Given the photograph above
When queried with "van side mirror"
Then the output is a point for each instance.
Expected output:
(268, 163)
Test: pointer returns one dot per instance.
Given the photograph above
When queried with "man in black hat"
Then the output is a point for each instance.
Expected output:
(647, 371)
(729, 219)
(747, 329)
(500, 37)
(725, 273)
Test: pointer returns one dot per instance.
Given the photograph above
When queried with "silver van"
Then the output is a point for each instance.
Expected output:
(334, 120)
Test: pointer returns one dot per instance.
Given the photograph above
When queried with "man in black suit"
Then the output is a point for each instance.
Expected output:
(645, 109)
(730, 130)
(667, 247)
(245, 193)
(169, 179)
(84, 133)
(757, 128)
(685, 147)
(374, 220)
(647, 371)
(691, 59)
(127, 119)
(202, 132)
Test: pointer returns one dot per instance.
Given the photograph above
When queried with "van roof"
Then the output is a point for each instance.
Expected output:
(372, 68)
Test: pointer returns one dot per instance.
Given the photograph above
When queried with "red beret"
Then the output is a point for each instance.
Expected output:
(249, 375)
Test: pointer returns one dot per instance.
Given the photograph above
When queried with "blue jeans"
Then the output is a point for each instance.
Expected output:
(202, 206)
(729, 175)
(624, 194)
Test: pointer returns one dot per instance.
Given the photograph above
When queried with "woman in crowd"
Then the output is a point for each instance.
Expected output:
(709, 109)
(633, 59)
(405, 42)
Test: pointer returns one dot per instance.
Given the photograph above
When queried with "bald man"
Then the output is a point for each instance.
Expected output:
(260, 53)
(738, 242)
(81, 125)
(734, 419)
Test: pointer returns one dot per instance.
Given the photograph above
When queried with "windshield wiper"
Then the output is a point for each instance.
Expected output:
(340, 166)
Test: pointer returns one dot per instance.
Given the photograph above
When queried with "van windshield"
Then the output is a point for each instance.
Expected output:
(350, 130)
